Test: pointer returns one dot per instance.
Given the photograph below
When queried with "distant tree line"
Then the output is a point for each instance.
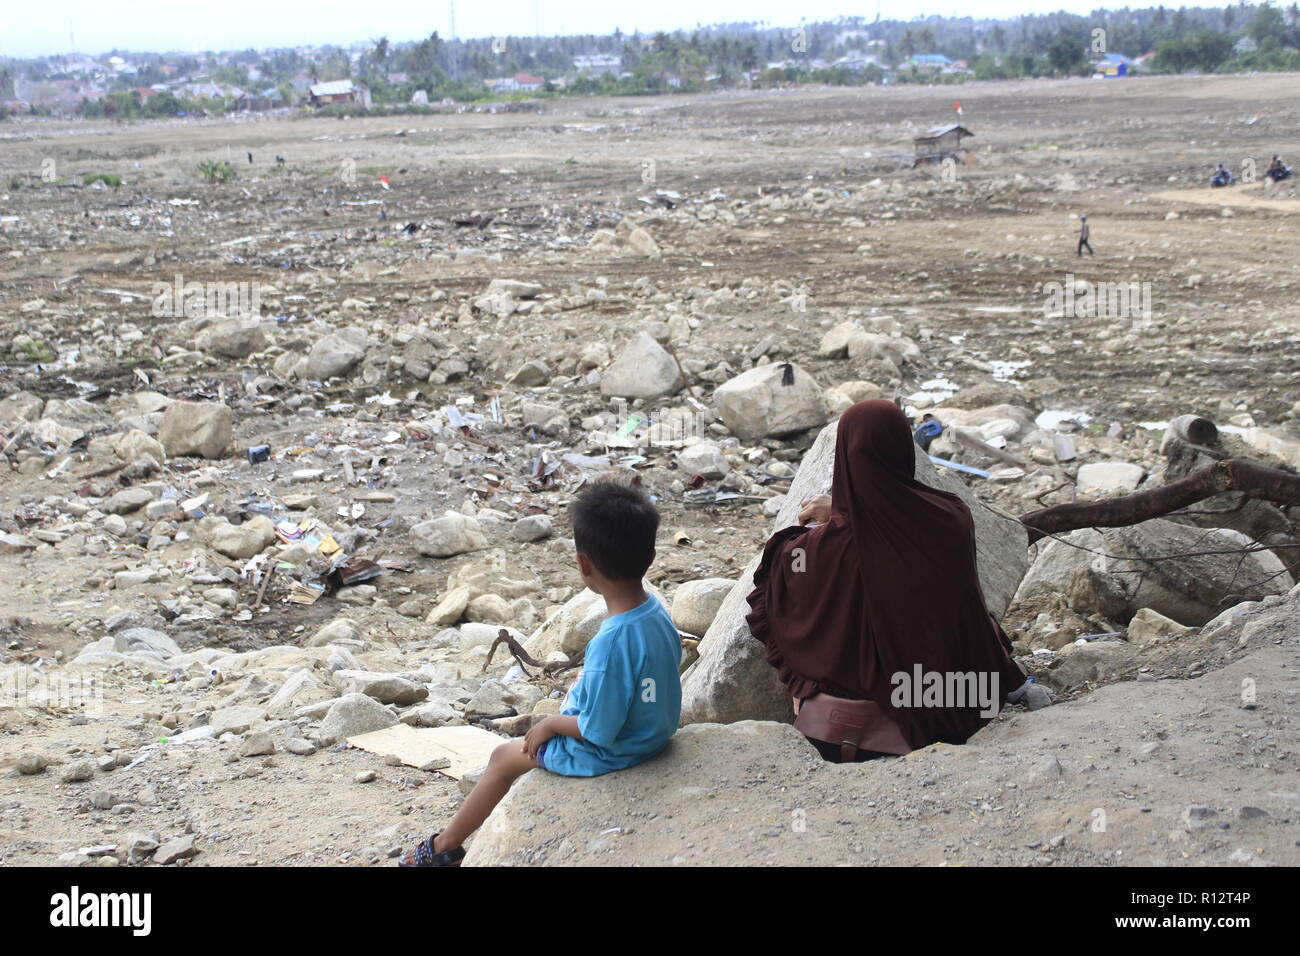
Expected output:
(1233, 38)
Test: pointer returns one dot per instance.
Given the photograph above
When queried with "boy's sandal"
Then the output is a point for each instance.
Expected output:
(426, 855)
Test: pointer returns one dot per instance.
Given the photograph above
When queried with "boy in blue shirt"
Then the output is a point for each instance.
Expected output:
(628, 699)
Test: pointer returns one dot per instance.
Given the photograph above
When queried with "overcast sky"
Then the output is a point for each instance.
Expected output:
(38, 27)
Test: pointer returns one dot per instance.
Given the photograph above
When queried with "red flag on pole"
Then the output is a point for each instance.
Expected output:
(957, 107)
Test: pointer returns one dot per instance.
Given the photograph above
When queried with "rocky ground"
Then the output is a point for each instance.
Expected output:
(439, 359)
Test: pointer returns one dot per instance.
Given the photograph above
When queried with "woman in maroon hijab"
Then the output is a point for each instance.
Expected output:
(879, 596)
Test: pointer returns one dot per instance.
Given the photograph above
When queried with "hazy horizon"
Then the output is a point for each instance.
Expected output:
(154, 26)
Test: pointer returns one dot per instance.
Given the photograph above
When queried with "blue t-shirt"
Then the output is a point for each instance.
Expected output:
(628, 698)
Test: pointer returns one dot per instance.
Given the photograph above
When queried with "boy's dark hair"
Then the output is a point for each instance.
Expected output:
(615, 525)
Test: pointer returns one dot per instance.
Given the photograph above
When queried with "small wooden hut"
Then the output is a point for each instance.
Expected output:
(936, 145)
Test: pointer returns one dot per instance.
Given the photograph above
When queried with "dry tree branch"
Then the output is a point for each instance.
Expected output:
(1250, 478)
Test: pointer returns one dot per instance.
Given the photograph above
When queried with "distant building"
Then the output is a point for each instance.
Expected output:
(208, 90)
(269, 99)
(857, 62)
(929, 62)
(940, 143)
(598, 64)
(338, 91)
(520, 82)
(398, 79)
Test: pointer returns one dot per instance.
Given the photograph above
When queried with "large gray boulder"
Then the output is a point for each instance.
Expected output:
(732, 680)
(696, 603)
(335, 354)
(755, 404)
(449, 535)
(558, 821)
(233, 338)
(1158, 564)
(197, 428)
(352, 715)
(644, 369)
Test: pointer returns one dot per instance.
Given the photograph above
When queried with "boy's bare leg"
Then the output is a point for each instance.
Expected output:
(506, 765)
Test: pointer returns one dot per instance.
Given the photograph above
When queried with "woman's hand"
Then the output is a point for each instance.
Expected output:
(537, 735)
(816, 510)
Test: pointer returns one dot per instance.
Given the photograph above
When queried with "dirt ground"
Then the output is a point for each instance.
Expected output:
(832, 208)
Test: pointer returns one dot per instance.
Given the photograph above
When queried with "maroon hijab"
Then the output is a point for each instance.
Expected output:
(888, 583)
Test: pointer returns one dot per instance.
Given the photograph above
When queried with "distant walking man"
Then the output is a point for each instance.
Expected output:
(1083, 236)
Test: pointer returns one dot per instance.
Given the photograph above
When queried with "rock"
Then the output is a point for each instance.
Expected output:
(550, 819)
(445, 537)
(78, 772)
(550, 420)
(257, 745)
(385, 688)
(451, 608)
(492, 700)
(703, 458)
(835, 343)
(531, 373)
(433, 714)
(145, 642)
(480, 634)
(567, 630)
(30, 765)
(21, 407)
(756, 405)
(233, 338)
(181, 848)
(893, 349)
(127, 500)
(533, 528)
(515, 288)
(241, 541)
(696, 603)
(354, 714)
(860, 391)
(334, 355)
(488, 609)
(16, 543)
(1048, 769)
(593, 355)
(642, 370)
(1149, 627)
(495, 573)
(136, 445)
(641, 242)
(140, 845)
(197, 428)
(732, 680)
(1197, 815)
(1109, 477)
(1112, 573)
(1275, 442)
(339, 629)
(364, 776)
(235, 720)
(1096, 662)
